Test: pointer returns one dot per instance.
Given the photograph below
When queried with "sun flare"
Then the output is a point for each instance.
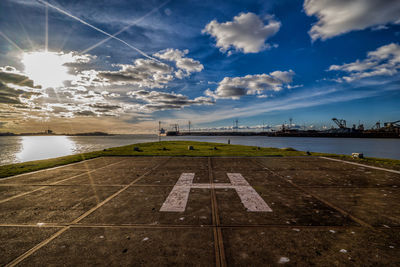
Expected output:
(46, 68)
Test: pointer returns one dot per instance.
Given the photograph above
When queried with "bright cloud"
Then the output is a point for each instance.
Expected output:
(143, 73)
(185, 65)
(72, 88)
(147, 73)
(383, 61)
(342, 16)
(16, 87)
(49, 69)
(257, 84)
(246, 33)
(160, 100)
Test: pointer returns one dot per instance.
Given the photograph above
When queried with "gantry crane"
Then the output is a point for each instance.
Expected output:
(340, 122)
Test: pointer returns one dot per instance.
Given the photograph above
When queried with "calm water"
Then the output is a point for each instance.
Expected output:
(25, 148)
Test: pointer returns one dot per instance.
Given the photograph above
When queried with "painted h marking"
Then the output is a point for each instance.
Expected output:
(177, 199)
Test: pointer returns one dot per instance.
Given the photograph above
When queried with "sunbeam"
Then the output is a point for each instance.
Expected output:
(46, 40)
(97, 29)
(11, 42)
(125, 28)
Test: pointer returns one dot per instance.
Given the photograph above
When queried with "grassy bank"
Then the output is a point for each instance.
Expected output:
(179, 148)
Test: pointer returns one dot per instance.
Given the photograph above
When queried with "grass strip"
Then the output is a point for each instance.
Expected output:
(180, 149)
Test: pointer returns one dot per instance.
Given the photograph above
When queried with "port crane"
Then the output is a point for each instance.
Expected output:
(340, 122)
(377, 126)
(392, 124)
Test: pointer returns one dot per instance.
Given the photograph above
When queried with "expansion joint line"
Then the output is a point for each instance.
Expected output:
(362, 165)
(343, 212)
(25, 255)
(55, 183)
(218, 240)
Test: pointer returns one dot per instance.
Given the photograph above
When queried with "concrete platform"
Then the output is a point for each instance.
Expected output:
(159, 211)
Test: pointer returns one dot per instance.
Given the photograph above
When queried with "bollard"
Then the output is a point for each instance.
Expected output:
(357, 155)
(229, 141)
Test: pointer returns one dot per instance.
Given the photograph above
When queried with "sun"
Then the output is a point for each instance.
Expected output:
(46, 68)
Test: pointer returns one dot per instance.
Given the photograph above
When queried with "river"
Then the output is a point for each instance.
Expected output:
(15, 149)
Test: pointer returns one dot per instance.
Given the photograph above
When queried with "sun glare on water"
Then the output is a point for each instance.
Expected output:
(46, 68)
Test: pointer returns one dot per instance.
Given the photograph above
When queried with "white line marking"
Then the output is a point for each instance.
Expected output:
(249, 197)
(177, 199)
(358, 164)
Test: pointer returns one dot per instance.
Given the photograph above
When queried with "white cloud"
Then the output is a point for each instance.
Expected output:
(246, 33)
(143, 73)
(257, 84)
(155, 100)
(383, 61)
(89, 92)
(185, 65)
(337, 17)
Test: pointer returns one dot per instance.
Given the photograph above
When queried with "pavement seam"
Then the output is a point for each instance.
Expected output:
(36, 248)
(118, 192)
(65, 185)
(22, 194)
(362, 165)
(65, 228)
(55, 183)
(205, 226)
(343, 212)
(218, 239)
(47, 169)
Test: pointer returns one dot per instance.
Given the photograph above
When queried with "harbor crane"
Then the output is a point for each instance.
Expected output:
(392, 124)
(340, 122)
(377, 126)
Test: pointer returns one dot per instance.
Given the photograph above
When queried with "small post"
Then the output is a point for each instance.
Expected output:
(357, 155)
(159, 131)
(229, 141)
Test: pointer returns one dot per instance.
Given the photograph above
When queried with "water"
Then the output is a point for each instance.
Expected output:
(15, 149)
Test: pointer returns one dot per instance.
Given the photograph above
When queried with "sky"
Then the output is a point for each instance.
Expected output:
(121, 66)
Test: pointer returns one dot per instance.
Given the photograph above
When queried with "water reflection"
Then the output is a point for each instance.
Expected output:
(44, 147)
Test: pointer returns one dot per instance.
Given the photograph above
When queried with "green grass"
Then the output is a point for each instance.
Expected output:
(178, 148)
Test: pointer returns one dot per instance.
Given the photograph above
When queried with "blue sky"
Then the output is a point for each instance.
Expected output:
(204, 61)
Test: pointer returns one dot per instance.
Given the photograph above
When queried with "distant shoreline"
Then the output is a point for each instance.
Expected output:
(63, 134)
